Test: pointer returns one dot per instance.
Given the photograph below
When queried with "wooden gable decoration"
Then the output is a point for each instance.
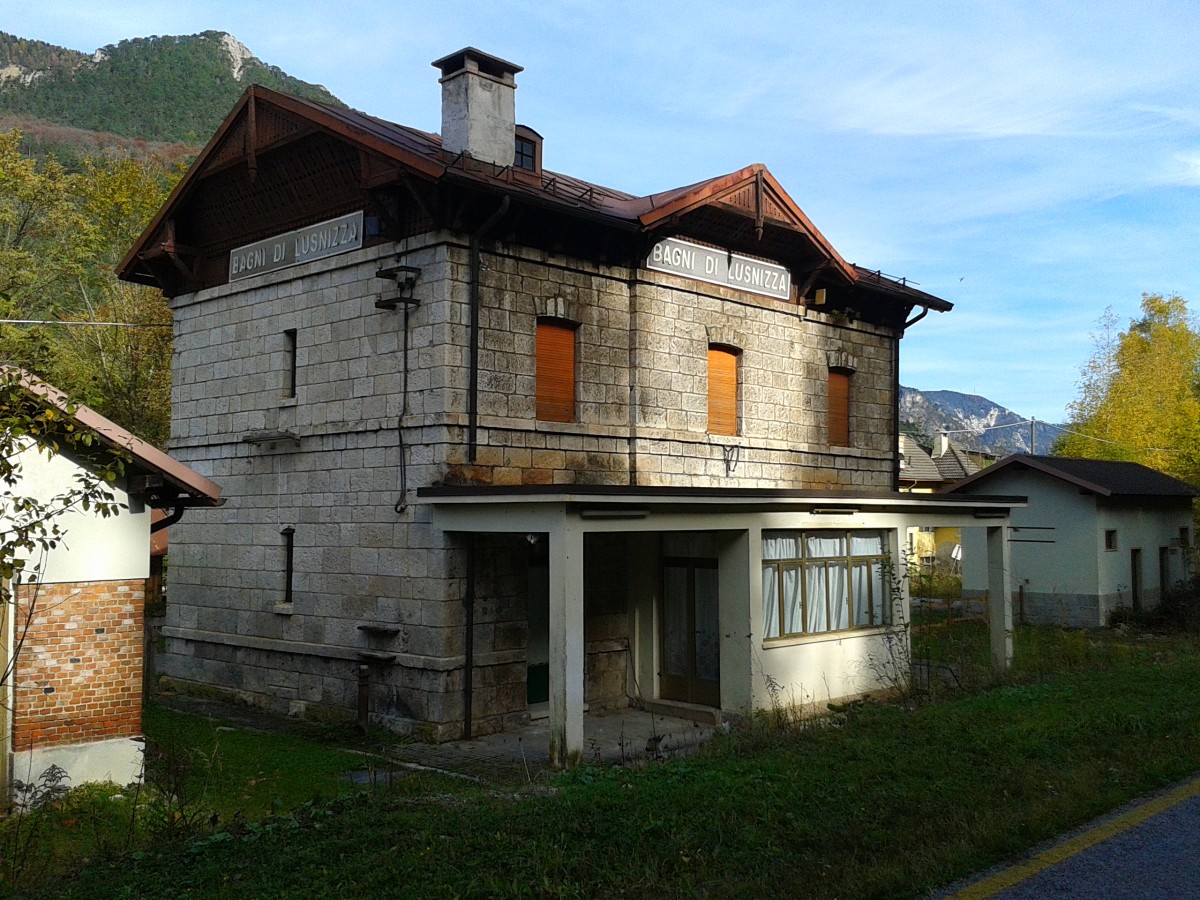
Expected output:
(769, 219)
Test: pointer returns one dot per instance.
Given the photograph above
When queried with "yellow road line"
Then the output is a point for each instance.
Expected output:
(993, 885)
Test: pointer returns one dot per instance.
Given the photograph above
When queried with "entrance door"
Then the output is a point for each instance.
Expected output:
(691, 639)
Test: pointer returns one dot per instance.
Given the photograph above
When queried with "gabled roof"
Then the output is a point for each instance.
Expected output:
(1106, 478)
(955, 463)
(915, 464)
(746, 204)
(180, 485)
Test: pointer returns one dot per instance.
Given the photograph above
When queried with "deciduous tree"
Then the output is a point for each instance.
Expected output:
(1140, 392)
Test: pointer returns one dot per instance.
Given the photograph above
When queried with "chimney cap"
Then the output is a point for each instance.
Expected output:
(473, 59)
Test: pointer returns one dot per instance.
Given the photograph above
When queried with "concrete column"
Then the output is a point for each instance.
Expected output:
(1000, 621)
(740, 593)
(566, 644)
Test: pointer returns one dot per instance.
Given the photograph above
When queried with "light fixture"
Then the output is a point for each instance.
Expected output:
(613, 512)
(833, 511)
(405, 278)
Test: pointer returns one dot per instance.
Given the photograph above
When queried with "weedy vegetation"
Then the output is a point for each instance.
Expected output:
(867, 799)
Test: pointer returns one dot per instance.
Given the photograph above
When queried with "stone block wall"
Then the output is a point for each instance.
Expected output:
(642, 383)
(78, 676)
(380, 409)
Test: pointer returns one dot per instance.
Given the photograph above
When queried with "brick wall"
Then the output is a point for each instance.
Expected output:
(79, 672)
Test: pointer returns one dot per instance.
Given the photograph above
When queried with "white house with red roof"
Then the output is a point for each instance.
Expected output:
(71, 641)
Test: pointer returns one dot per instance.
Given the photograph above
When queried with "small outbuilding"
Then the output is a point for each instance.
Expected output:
(71, 627)
(1096, 535)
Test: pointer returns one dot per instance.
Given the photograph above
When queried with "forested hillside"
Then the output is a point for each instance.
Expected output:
(89, 147)
(174, 89)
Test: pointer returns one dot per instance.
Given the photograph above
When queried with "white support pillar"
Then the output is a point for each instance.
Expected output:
(1000, 621)
(566, 644)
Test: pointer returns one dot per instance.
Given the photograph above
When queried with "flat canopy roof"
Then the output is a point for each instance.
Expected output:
(492, 504)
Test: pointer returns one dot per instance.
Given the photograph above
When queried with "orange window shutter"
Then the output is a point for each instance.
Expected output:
(839, 409)
(555, 372)
(722, 392)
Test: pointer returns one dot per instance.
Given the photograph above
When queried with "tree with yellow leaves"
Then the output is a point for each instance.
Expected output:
(62, 235)
(1140, 392)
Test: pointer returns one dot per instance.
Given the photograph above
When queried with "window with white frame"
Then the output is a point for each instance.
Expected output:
(815, 582)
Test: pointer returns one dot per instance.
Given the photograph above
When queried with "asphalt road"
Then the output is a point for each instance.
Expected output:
(1149, 850)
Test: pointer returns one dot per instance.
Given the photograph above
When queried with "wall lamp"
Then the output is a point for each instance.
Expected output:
(405, 278)
(616, 512)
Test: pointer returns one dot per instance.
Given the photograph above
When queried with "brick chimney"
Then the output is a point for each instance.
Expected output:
(479, 114)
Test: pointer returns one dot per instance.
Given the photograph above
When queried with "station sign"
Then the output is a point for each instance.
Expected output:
(340, 235)
(716, 266)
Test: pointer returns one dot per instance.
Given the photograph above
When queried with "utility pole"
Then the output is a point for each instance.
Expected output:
(1033, 437)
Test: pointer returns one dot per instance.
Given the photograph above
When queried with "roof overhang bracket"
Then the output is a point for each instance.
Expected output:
(251, 147)
(759, 204)
(915, 319)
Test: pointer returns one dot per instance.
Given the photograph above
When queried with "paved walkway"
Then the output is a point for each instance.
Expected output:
(1148, 850)
(517, 756)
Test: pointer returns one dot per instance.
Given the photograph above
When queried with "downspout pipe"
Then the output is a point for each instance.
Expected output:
(896, 394)
(469, 649)
(168, 521)
(473, 287)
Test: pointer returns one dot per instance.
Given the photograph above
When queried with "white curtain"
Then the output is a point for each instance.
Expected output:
(792, 607)
(866, 543)
(839, 597)
(822, 544)
(815, 586)
(793, 622)
(862, 594)
(770, 601)
(781, 545)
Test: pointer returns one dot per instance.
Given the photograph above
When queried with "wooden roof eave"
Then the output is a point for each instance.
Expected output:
(518, 194)
(712, 192)
(313, 114)
(191, 488)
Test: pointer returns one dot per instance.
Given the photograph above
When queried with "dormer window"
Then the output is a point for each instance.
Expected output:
(528, 151)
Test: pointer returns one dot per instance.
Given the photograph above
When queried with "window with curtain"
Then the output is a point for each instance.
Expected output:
(722, 391)
(555, 371)
(839, 408)
(816, 582)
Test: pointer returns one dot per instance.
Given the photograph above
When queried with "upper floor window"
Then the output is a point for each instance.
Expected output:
(1110, 539)
(839, 408)
(555, 371)
(527, 153)
(722, 390)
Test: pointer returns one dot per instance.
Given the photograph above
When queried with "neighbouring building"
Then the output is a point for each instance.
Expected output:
(1096, 535)
(516, 441)
(71, 641)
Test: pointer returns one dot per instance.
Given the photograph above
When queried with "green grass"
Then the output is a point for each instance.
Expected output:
(248, 774)
(884, 802)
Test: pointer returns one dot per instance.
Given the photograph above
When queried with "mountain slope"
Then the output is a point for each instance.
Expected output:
(173, 89)
(974, 422)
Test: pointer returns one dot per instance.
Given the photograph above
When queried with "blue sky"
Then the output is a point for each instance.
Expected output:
(1031, 162)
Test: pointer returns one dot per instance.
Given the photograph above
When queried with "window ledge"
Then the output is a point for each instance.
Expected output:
(851, 634)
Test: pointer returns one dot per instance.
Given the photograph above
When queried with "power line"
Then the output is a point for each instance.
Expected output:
(1119, 443)
(978, 431)
(66, 322)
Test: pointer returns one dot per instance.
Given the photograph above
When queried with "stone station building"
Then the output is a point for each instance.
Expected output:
(521, 443)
